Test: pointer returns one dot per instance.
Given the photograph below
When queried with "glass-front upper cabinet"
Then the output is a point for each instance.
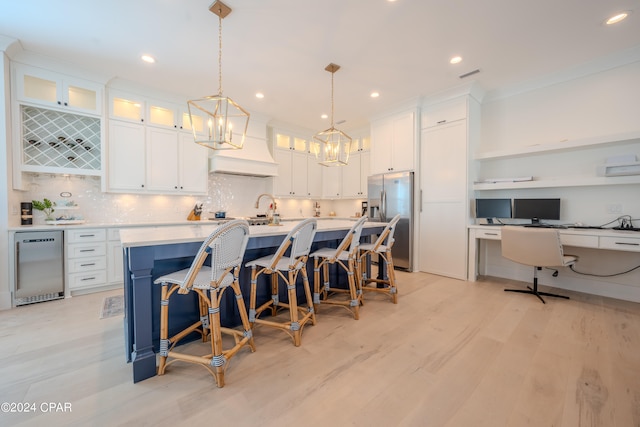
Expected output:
(49, 89)
(288, 142)
(360, 144)
(126, 106)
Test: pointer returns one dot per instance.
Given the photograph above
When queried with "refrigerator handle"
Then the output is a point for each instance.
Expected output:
(383, 205)
(420, 200)
(17, 266)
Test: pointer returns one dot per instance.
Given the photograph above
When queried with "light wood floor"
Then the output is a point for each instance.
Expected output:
(450, 353)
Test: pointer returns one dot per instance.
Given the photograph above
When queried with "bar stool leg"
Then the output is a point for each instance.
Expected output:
(307, 291)
(243, 315)
(164, 329)
(293, 308)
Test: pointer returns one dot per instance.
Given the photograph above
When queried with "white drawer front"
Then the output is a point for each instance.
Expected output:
(87, 280)
(87, 250)
(620, 243)
(580, 241)
(80, 265)
(493, 234)
(113, 234)
(87, 235)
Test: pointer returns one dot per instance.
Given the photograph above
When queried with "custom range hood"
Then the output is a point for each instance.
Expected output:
(254, 159)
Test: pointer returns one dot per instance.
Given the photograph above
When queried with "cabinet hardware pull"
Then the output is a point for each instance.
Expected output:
(490, 234)
(87, 265)
(628, 244)
(87, 235)
(84, 279)
(87, 250)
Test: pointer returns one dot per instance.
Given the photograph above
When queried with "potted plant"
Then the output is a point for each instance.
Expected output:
(45, 206)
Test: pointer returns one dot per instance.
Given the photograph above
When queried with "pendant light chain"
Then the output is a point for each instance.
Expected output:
(332, 74)
(219, 54)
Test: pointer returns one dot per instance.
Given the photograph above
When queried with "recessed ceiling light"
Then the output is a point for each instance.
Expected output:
(259, 95)
(148, 59)
(324, 116)
(455, 60)
(375, 94)
(617, 18)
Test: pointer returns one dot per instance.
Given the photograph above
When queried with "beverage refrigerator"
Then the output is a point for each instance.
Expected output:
(390, 194)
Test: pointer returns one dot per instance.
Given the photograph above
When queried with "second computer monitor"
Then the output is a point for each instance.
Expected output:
(536, 209)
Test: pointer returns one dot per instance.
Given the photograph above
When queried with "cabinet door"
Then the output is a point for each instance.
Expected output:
(115, 273)
(351, 177)
(403, 143)
(443, 239)
(299, 173)
(194, 166)
(443, 162)
(314, 177)
(331, 182)
(282, 182)
(126, 147)
(126, 106)
(162, 114)
(365, 171)
(381, 143)
(162, 164)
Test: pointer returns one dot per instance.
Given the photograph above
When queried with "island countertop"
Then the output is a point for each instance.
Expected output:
(145, 236)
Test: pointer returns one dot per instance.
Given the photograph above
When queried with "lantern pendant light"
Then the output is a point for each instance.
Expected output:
(226, 122)
(335, 145)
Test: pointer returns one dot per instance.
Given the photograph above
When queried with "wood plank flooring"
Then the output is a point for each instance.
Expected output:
(450, 353)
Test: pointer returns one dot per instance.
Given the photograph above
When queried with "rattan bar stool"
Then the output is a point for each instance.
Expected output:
(286, 267)
(345, 256)
(226, 245)
(382, 247)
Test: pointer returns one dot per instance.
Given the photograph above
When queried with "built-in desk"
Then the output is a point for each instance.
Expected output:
(152, 252)
(614, 240)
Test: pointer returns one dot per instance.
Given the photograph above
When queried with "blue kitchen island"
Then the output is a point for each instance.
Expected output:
(150, 252)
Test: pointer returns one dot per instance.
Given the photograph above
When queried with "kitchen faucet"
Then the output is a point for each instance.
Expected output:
(273, 203)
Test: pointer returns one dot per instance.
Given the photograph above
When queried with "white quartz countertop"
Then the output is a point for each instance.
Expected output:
(145, 236)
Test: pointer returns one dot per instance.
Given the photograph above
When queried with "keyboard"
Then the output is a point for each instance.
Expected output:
(596, 227)
(626, 229)
(544, 226)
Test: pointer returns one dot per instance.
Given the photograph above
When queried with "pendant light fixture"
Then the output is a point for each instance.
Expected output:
(335, 145)
(225, 121)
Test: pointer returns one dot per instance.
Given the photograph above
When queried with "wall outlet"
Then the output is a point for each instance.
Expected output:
(614, 208)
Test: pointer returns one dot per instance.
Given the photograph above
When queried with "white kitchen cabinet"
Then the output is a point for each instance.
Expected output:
(292, 173)
(152, 158)
(314, 177)
(127, 106)
(127, 161)
(86, 262)
(393, 143)
(115, 272)
(332, 182)
(445, 187)
(52, 90)
(354, 175)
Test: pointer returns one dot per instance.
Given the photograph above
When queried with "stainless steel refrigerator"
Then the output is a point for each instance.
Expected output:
(390, 194)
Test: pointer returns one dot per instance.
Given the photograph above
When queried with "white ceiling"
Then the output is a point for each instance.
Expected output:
(280, 47)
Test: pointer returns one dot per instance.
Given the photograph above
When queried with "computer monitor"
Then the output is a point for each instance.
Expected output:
(536, 209)
(493, 208)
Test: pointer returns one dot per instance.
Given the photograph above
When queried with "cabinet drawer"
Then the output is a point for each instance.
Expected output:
(86, 235)
(87, 280)
(620, 243)
(81, 265)
(113, 234)
(86, 250)
(491, 234)
(580, 241)
(444, 113)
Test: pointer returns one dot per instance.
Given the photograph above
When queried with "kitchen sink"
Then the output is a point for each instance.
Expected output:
(252, 220)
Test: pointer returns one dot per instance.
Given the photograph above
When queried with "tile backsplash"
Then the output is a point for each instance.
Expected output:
(236, 195)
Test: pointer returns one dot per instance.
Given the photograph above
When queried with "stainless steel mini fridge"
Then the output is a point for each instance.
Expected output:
(39, 272)
(390, 194)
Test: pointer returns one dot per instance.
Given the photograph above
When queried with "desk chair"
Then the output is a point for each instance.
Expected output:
(537, 247)
(227, 245)
(382, 246)
(298, 245)
(345, 256)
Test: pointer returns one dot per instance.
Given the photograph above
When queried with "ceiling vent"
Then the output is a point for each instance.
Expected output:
(470, 73)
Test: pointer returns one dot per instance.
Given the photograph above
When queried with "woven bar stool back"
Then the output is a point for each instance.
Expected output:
(345, 256)
(382, 246)
(284, 265)
(226, 245)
